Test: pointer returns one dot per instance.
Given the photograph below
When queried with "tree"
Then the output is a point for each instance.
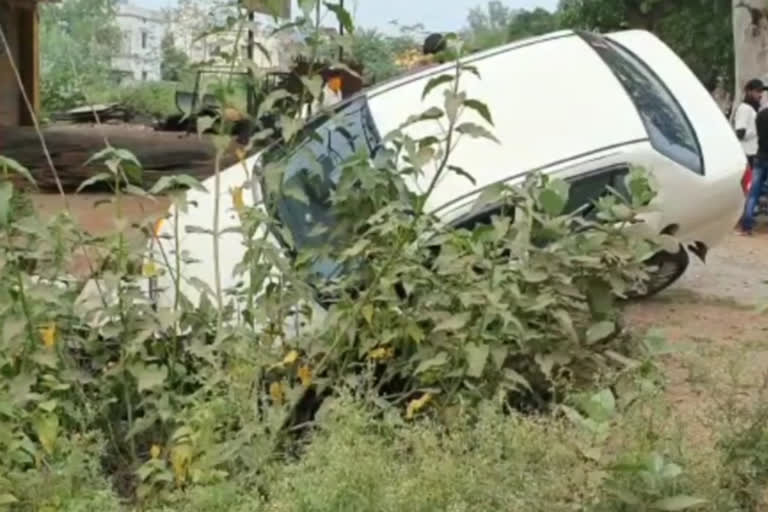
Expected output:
(750, 39)
(377, 52)
(175, 61)
(79, 39)
(697, 30)
(489, 26)
(531, 23)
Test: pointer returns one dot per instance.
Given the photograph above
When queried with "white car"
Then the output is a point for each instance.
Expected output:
(579, 106)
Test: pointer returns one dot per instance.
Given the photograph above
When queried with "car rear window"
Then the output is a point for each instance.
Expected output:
(669, 130)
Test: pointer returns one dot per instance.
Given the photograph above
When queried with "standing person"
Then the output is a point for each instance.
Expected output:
(745, 116)
(759, 172)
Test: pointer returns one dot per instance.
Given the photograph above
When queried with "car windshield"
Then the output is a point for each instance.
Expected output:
(312, 168)
(669, 130)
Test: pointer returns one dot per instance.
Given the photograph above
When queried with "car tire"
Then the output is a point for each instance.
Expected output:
(665, 269)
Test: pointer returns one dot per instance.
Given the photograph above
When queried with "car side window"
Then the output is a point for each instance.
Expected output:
(586, 189)
(669, 130)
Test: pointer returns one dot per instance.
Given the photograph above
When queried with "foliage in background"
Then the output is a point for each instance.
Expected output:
(154, 99)
(78, 40)
(175, 62)
(700, 31)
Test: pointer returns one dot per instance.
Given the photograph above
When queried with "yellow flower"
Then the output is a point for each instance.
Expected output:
(417, 405)
(158, 227)
(181, 456)
(154, 451)
(305, 375)
(149, 269)
(276, 392)
(382, 353)
(237, 198)
(291, 357)
(48, 333)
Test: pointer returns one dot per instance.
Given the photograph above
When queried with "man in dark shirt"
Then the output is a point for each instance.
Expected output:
(759, 173)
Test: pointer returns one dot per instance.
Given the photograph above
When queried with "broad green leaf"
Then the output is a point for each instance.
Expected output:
(430, 114)
(439, 360)
(453, 323)
(471, 69)
(566, 322)
(488, 198)
(601, 406)
(551, 202)
(6, 194)
(100, 155)
(477, 357)
(290, 127)
(102, 177)
(205, 123)
(13, 165)
(126, 156)
(137, 191)
(7, 499)
(499, 356)
(600, 332)
(342, 15)
(515, 378)
(453, 103)
(367, 312)
(314, 85)
(678, 503)
(169, 182)
(671, 471)
(148, 376)
(414, 332)
(48, 405)
(600, 298)
(476, 131)
(436, 82)
(20, 388)
(481, 108)
(294, 191)
(47, 430)
(461, 172)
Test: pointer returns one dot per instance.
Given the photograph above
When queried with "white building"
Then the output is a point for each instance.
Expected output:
(192, 18)
(140, 56)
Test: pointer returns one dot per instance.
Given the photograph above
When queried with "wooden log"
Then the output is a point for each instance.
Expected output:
(71, 146)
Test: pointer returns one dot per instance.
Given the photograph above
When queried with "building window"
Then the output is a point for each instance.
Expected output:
(144, 37)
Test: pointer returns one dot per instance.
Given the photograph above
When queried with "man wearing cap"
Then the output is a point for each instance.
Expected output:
(751, 124)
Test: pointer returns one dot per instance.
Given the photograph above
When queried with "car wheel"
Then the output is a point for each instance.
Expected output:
(665, 268)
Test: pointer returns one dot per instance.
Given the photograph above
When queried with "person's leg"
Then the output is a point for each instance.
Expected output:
(759, 172)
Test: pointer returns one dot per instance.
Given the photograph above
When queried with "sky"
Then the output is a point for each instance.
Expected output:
(436, 15)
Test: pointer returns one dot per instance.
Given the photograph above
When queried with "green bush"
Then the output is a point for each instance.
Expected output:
(157, 99)
(406, 395)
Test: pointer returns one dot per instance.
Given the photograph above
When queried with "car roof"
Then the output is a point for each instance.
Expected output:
(552, 99)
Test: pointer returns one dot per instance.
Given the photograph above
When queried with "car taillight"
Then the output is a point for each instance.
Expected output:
(746, 180)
